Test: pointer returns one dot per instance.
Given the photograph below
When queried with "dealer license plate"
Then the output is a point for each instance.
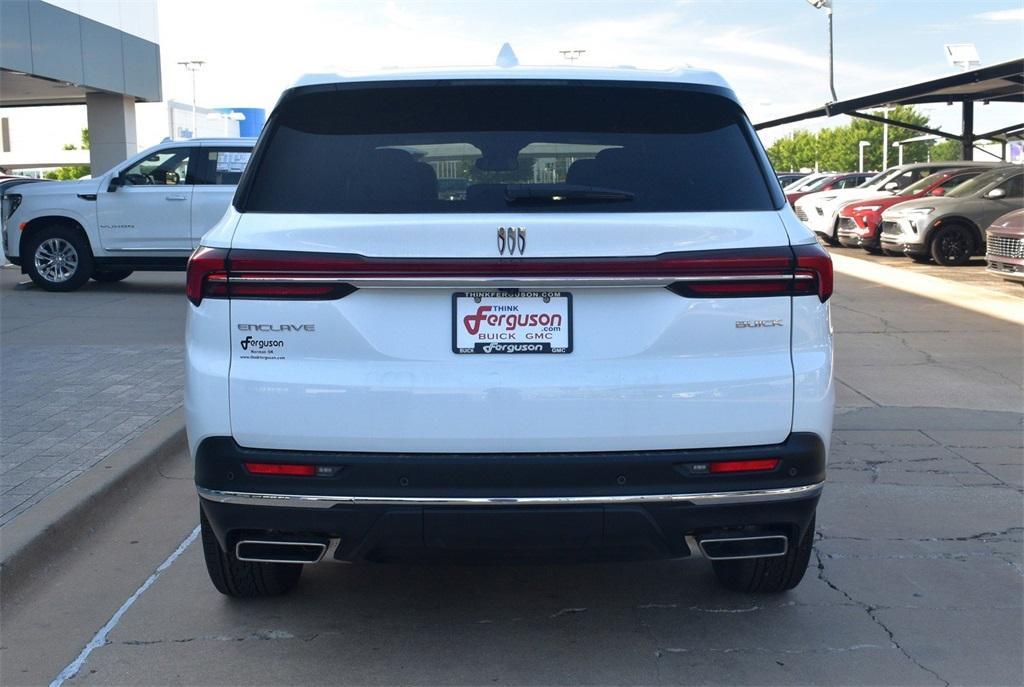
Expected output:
(512, 321)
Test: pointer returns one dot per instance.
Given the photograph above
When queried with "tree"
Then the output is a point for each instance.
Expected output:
(836, 148)
(71, 172)
(946, 149)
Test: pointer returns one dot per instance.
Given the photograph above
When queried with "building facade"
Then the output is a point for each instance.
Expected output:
(104, 54)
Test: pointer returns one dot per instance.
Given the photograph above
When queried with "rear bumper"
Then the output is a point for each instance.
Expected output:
(587, 506)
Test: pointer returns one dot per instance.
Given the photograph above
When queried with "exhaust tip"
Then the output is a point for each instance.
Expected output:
(734, 548)
(266, 551)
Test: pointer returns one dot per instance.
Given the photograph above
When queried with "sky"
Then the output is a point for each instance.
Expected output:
(773, 52)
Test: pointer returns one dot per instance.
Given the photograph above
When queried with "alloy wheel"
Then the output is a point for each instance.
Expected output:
(56, 260)
(954, 245)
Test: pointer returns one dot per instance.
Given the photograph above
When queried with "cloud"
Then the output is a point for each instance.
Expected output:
(1016, 14)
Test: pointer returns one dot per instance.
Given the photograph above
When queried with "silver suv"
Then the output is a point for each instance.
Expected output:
(951, 229)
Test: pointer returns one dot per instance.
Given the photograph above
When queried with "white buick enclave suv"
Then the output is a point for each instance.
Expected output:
(509, 313)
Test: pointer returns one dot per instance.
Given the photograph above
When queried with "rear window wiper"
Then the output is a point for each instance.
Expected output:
(556, 193)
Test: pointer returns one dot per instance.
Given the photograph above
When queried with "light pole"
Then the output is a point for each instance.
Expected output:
(885, 137)
(860, 154)
(898, 145)
(193, 66)
(827, 6)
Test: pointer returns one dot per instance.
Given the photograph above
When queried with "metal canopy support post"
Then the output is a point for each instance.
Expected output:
(967, 138)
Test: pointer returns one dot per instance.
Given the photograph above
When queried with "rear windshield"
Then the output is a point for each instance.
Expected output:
(506, 148)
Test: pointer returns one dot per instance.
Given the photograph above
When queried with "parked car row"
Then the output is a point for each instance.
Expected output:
(828, 182)
(928, 211)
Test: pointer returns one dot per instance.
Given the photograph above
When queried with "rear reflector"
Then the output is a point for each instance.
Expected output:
(759, 465)
(281, 469)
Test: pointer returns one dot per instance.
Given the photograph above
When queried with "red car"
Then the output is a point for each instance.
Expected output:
(860, 221)
(844, 180)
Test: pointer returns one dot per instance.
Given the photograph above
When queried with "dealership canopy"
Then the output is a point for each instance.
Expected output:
(1002, 82)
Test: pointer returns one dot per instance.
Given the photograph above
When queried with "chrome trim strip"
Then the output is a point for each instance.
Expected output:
(402, 282)
(185, 251)
(785, 547)
(324, 501)
(323, 549)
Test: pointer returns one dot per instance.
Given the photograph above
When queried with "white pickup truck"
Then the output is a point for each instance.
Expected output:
(148, 213)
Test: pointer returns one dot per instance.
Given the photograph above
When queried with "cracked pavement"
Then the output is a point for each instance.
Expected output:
(916, 579)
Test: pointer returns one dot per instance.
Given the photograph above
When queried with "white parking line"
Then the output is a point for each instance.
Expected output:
(975, 298)
(100, 638)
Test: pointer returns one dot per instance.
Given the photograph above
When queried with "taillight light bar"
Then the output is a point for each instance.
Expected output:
(775, 271)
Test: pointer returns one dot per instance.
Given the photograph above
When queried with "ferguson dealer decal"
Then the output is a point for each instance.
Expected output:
(512, 322)
(267, 347)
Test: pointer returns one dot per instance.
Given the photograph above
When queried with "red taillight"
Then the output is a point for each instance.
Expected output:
(281, 469)
(319, 276)
(250, 263)
(758, 465)
(207, 274)
(812, 259)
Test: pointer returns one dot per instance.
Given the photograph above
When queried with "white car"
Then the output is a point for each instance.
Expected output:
(147, 213)
(820, 211)
(613, 342)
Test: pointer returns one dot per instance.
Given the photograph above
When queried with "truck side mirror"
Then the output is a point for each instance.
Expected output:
(115, 182)
(996, 193)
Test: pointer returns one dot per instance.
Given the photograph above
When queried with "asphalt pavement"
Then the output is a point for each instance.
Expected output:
(917, 576)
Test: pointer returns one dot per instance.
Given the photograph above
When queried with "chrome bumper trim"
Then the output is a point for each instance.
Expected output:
(703, 499)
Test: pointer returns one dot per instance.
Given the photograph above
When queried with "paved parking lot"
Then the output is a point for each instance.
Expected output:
(917, 577)
(83, 373)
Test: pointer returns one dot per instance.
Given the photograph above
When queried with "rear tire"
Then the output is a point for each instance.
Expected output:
(768, 575)
(111, 275)
(242, 579)
(953, 245)
(58, 258)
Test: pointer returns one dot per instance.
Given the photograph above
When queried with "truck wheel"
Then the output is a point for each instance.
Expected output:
(767, 575)
(953, 245)
(58, 258)
(242, 579)
(110, 275)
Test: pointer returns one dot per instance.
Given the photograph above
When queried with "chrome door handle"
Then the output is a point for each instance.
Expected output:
(176, 196)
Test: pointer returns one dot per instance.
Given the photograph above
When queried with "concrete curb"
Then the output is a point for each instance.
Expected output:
(32, 540)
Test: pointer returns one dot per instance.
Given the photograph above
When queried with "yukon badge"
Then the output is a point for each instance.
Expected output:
(753, 324)
(511, 240)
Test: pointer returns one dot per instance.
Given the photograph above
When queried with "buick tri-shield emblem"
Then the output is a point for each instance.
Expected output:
(511, 240)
